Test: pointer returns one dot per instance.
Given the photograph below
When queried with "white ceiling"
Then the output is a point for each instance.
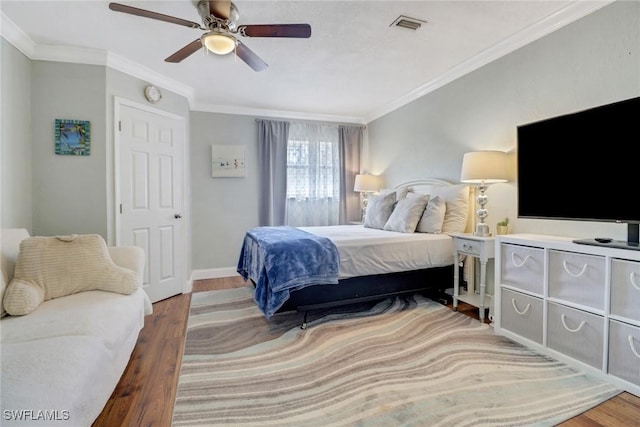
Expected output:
(355, 67)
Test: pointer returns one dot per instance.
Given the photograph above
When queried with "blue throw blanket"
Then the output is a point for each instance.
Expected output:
(282, 259)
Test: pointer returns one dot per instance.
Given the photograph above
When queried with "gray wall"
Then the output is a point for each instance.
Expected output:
(590, 62)
(15, 147)
(223, 209)
(55, 194)
(68, 191)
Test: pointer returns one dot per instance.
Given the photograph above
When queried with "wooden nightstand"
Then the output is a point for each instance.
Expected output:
(482, 248)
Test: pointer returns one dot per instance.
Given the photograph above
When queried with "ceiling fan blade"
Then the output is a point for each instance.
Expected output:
(302, 31)
(153, 15)
(250, 58)
(220, 8)
(185, 51)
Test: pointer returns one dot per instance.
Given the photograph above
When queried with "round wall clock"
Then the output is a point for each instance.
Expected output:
(152, 94)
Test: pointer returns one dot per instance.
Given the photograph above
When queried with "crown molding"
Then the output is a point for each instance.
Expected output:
(24, 44)
(562, 17)
(14, 35)
(245, 111)
(70, 54)
(88, 56)
(134, 69)
(78, 55)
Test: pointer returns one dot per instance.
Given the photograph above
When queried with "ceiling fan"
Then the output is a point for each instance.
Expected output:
(219, 19)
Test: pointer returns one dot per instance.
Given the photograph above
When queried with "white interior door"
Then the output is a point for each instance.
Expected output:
(150, 148)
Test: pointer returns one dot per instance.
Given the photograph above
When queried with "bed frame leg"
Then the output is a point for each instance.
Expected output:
(304, 321)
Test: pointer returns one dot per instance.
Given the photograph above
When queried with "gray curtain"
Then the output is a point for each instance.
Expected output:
(350, 140)
(272, 169)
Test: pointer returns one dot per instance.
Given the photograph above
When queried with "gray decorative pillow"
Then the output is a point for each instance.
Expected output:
(401, 193)
(433, 216)
(379, 210)
(406, 214)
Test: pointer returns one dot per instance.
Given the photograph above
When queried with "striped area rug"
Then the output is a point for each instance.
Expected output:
(401, 362)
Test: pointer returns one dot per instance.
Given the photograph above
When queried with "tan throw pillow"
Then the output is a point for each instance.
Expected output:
(53, 267)
(3, 286)
(456, 199)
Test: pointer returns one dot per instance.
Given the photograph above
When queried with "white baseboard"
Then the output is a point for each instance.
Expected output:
(214, 273)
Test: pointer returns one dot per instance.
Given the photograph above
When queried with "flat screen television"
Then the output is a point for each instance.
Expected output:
(583, 166)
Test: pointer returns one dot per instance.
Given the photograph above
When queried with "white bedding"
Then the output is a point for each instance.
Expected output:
(365, 251)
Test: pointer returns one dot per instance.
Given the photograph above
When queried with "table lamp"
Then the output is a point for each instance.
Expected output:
(366, 184)
(483, 168)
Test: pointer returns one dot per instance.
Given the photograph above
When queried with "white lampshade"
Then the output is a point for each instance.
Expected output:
(484, 166)
(219, 43)
(366, 183)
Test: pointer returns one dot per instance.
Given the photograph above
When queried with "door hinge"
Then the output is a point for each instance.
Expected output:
(120, 208)
(120, 125)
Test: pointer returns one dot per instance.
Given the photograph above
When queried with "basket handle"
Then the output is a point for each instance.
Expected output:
(513, 260)
(566, 268)
(633, 282)
(633, 347)
(564, 323)
(515, 307)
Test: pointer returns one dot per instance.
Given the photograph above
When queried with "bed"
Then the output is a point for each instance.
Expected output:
(308, 268)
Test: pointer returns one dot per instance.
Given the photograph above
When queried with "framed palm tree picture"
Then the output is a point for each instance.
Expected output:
(73, 137)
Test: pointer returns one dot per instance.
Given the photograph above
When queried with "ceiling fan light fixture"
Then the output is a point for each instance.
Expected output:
(219, 43)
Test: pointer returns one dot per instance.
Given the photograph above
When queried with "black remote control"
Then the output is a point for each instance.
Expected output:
(603, 239)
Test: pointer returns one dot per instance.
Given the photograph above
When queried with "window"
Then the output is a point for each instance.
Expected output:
(310, 174)
(313, 175)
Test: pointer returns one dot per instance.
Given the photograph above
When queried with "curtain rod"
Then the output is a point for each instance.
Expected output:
(258, 119)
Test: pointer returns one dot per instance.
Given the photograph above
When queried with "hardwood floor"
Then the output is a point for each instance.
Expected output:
(146, 392)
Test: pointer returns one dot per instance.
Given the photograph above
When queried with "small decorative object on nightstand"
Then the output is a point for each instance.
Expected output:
(482, 248)
(502, 227)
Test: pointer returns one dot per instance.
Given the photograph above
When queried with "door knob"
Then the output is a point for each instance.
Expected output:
(177, 216)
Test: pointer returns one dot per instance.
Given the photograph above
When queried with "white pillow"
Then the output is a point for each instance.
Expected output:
(456, 198)
(433, 216)
(379, 210)
(406, 214)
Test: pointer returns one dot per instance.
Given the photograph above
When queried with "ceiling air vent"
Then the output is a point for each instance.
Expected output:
(407, 22)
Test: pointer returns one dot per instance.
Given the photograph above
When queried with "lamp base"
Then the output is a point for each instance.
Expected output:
(482, 230)
(365, 202)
